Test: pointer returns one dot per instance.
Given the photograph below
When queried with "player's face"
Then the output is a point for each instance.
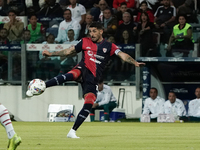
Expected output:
(123, 8)
(144, 17)
(95, 34)
(153, 93)
(181, 20)
(197, 92)
(172, 97)
(33, 20)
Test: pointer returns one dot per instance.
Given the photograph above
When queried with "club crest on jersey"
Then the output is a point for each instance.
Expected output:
(104, 50)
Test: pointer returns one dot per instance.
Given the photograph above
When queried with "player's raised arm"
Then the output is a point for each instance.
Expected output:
(127, 58)
(66, 52)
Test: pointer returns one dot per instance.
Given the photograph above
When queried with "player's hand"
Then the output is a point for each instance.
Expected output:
(46, 53)
(139, 64)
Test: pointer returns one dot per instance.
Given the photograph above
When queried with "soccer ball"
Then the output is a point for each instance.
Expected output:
(36, 87)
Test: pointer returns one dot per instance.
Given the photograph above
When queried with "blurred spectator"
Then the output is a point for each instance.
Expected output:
(33, 6)
(48, 66)
(144, 8)
(70, 35)
(174, 106)
(154, 104)
(67, 24)
(14, 27)
(88, 3)
(3, 8)
(109, 23)
(144, 31)
(152, 4)
(165, 19)
(123, 9)
(181, 39)
(51, 9)
(130, 4)
(26, 37)
(105, 100)
(4, 36)
(194, 105)
(126, 25)
(97, 11)
(78, 11)
(17, 5)
(36, 29)
(85, 26)
(126, 38)
(111, 39)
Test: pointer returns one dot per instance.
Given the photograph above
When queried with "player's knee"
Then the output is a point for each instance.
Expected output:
(76, 73)
(90, 98)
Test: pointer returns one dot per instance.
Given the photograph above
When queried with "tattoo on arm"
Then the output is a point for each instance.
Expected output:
(130, 60)
(66, 52)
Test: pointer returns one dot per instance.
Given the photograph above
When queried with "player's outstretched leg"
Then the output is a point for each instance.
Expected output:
(89, 100)
(70, 76)
(14, 140)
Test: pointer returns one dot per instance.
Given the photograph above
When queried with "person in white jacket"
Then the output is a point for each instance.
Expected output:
(66, 25)
(105, 100)
(154, 104)
(174, 106)
(194, 105)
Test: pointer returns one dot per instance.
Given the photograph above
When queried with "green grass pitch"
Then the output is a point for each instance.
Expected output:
(106, 136)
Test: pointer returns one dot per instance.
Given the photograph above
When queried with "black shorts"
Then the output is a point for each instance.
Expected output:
(88, 81)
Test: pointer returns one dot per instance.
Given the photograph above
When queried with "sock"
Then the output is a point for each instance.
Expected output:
(106, 116)
(6, 122)
(82, 116)
(70, 76)
(92, 117)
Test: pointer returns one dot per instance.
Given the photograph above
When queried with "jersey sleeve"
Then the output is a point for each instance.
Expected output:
(78, 46)
(114, 49)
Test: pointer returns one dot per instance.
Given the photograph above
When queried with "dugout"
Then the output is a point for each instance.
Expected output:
(180, 75)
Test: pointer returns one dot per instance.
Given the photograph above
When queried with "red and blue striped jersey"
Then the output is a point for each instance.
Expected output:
(95, 55)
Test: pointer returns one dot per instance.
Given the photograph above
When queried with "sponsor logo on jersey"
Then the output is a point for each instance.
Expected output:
(90, 53)
(96, 61)
(99, 57)
(88, 47)
(104, 50)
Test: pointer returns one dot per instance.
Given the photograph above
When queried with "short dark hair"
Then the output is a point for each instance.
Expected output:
(12, 11)
(70, 30)
(32, 16)
(172, 92)
(123, 3)
(26, 31)
(143, 2)
(50, 35)
(67, 10)
(97, 25)
(4, 30)
(100, 80)
(153, 88)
